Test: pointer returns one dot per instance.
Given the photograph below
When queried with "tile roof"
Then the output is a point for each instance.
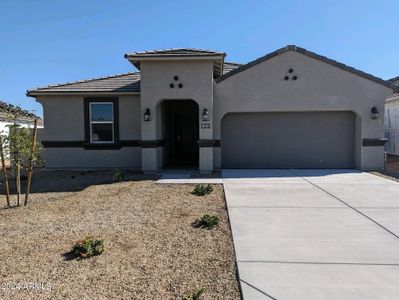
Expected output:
(15, 111)
(130, 82)
(120, 83)
(309, 54)
(228, 67)
(395, 96)
(179, 53)
(174, 52)
(395, 82)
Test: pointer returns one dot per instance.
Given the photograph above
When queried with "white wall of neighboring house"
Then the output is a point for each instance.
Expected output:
(5, 123)
(392, 125)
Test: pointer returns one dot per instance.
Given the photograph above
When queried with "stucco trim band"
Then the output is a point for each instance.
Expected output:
(88, 146)
(374, 142)
(152, 143)
(208, 143)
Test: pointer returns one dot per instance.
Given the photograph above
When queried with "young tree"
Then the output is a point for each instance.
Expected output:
(4, 171)
(21, 153)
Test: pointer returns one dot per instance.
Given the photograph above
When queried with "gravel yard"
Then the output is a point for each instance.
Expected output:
(152, 249)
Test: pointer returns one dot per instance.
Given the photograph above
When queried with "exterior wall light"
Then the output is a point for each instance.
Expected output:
(147, 115)
(374, 113)
(205, 115)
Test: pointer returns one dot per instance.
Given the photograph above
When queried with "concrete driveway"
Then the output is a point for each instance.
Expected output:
(314, 234)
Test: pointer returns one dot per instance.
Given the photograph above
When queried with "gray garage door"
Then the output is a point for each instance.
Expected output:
(288, 140)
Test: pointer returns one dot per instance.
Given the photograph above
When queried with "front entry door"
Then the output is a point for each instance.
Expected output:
(185, 138)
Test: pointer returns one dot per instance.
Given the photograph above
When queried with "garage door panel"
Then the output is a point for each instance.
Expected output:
(288, 140)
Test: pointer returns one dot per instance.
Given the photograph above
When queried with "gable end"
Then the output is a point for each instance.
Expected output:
(309, 54)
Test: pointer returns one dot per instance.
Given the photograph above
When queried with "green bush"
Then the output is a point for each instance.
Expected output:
(208, 221)
(118, 176)
(88, 247)
(202, 190)
(195, 296)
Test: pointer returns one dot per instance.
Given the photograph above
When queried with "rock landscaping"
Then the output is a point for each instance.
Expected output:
(152, 251)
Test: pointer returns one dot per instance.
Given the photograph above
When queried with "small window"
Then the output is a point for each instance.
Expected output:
(101, 122)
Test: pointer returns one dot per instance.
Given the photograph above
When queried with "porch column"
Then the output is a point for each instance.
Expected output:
(149, 143)
(206, 139)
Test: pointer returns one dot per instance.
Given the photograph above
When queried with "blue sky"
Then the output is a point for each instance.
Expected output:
(52, 41)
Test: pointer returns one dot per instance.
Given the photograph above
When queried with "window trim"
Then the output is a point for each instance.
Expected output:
(101, 122)
(88, 123)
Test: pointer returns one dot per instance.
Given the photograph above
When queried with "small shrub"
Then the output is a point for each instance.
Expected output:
(118, 176)
(195, 296)
(202, 190)
(88, 247)
(207, 221)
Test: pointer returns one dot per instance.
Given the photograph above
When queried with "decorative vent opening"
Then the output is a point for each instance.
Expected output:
(290, 75)
(177, 83)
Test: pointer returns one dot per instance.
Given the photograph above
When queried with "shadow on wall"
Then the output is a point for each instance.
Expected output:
(48, 181)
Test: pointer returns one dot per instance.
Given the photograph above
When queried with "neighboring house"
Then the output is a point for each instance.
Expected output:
(392, 120)
(10, 114)
(187, 107)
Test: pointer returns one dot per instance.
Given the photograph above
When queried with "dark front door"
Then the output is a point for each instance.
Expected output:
(185, 138)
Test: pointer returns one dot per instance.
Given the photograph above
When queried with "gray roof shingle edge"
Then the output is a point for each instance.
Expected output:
(174, 52)
(309, 54)
(120, 83)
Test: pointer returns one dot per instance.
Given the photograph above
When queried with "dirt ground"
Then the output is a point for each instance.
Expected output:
(152, 249)
(391, 170)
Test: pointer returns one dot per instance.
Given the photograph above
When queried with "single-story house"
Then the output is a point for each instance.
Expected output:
(291, 108)
(392, 120)
(11, 114)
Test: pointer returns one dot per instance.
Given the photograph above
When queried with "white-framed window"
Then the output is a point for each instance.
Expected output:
(101, 122)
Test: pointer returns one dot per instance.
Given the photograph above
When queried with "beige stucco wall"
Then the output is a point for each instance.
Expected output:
(64, 121)
(79, 158)
(319, 87)
(197, 80)
(261, 88)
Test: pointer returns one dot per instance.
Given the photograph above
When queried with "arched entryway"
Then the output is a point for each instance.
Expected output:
(180, 129)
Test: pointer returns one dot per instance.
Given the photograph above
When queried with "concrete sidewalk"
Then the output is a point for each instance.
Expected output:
(187, 178)
(314, 234)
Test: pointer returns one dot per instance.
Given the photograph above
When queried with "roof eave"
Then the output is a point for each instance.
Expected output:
(169, 56)
(36, 93)
(218, 58)
(135, 60)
